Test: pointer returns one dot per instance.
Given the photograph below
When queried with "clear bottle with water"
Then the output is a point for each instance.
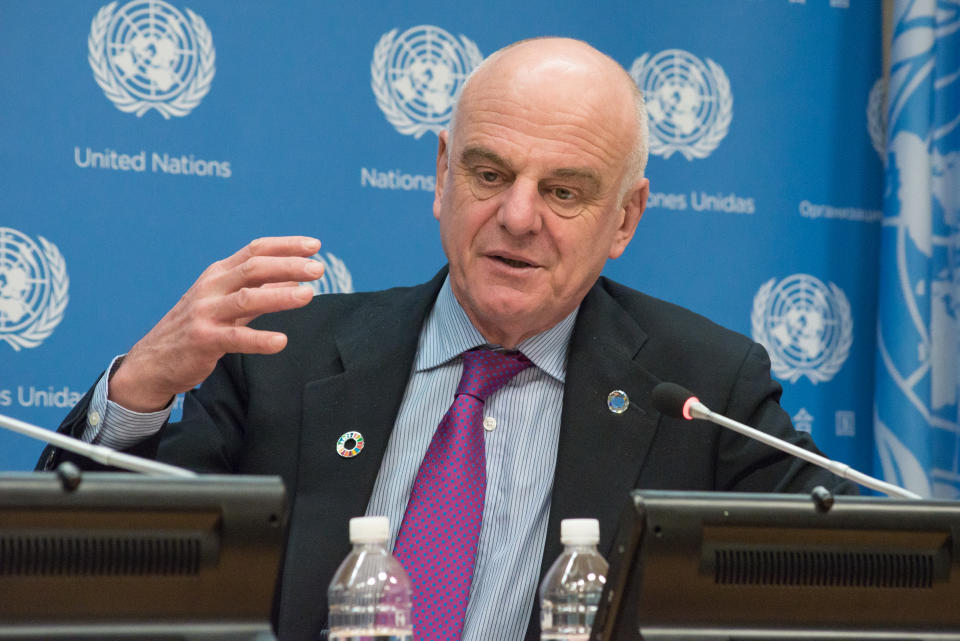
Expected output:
(570, 593)
(370, 594)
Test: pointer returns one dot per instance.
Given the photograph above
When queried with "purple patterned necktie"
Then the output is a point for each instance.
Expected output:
(437, 543)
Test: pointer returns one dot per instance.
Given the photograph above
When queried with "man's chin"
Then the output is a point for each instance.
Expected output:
(509, 302)
(517, 317)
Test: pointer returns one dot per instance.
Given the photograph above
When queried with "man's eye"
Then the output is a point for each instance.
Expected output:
(488, 176)
(562, 193)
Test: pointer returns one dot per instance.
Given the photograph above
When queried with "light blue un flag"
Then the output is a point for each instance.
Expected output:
(917, 413)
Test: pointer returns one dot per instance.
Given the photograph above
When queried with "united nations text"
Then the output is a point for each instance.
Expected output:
(184, 165)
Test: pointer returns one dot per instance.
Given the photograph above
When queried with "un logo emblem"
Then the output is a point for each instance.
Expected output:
(33, 289)
(417, 75)
(336, 277)
(805, 326)
(877, 117)
(147, 55)
(689, 103)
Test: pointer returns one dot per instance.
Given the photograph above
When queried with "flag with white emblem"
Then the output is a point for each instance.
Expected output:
(916, 412)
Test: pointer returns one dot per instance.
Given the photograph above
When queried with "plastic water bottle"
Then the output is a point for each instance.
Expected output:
(369, 596)
(571, 591)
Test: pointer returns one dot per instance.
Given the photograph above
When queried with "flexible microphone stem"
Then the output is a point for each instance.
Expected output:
(701, 411)
(98, 453)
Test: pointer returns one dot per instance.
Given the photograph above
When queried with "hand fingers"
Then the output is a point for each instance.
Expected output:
(209, 320)
(244, 320)
(247, 303)
(303, 246)
(262, 270)
(245, 340)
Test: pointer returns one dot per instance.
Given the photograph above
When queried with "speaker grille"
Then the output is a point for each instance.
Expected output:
(823, 568)
(100, 555)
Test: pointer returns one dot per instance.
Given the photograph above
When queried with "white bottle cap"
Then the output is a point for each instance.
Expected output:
(579, 531)
(369, 529)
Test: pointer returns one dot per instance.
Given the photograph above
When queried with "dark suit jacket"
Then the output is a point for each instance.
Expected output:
(346, 367)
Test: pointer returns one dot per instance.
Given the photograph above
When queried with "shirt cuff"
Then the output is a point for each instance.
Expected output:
(115, 426)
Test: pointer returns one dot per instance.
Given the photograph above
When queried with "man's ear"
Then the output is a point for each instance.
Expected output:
(634, 203)
(443, 166)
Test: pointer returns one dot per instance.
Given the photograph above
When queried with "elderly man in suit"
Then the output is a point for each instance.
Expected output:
(539, 181)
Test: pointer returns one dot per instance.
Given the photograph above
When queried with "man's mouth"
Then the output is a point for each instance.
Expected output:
(513, 263)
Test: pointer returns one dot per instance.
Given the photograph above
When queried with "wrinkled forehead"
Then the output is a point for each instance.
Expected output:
(570, 109)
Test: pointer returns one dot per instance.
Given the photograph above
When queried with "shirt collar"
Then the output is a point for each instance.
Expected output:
(448, 332)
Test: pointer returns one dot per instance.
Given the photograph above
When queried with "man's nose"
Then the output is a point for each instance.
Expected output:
(521, 209)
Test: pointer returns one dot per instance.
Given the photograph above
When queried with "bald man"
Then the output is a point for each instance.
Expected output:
(539, 182)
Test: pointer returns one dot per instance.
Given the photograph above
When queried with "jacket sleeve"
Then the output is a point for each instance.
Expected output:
(74, 425)
(744, 464)
(207, 440)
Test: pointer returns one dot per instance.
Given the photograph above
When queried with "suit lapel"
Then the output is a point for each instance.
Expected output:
(600, 453)
(376, 349)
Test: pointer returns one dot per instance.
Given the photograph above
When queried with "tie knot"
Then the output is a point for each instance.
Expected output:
(485, 371)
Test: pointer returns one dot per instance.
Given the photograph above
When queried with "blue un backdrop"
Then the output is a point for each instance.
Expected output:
(143, 140)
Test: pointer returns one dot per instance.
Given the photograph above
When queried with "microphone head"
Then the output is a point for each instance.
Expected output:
(671, 399)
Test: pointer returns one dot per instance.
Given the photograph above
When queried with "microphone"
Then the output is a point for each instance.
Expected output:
(673, 400)
(678, 402)
(98, 453)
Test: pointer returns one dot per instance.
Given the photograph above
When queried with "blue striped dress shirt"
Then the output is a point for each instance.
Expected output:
(522, 428)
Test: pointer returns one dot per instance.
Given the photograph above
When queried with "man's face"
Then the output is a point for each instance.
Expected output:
(531, 205)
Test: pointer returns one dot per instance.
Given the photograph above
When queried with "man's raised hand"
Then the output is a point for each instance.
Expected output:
(211, 319)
